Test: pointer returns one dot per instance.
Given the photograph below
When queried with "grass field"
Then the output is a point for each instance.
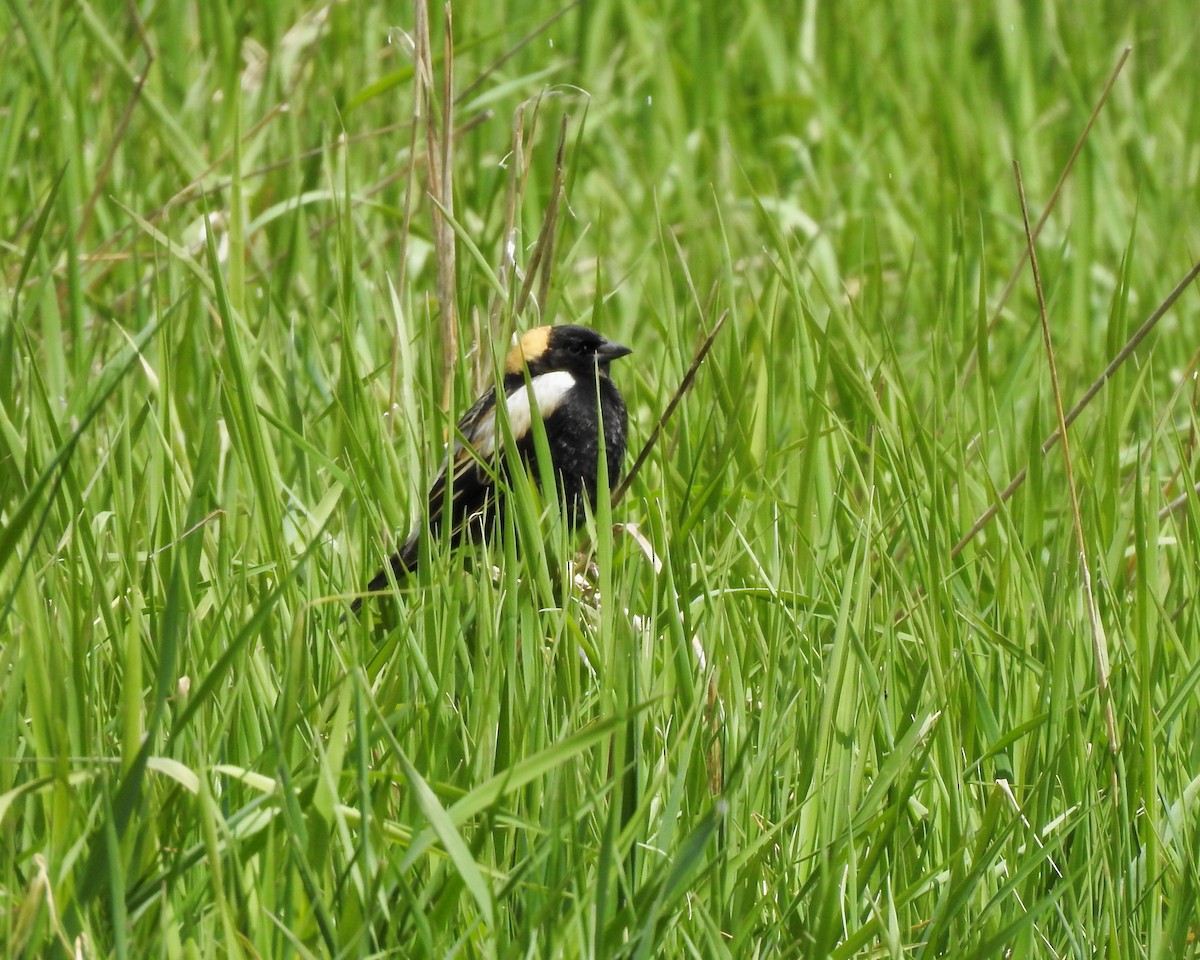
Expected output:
(801, 705)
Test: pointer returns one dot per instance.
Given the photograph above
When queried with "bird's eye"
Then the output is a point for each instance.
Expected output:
(575, 349)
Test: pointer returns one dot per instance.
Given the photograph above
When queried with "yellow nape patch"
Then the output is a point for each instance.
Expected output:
(532, 345)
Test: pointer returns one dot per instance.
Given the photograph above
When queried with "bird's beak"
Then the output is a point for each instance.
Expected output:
(610, 350)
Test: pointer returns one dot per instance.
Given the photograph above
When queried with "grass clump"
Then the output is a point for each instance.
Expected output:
(255, 261)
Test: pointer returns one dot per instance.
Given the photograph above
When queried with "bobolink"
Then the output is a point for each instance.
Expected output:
(568, 371)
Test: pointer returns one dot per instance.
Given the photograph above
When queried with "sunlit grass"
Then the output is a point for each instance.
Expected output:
(776, 712)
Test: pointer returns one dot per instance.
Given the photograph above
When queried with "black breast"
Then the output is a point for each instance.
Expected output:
(574, 441)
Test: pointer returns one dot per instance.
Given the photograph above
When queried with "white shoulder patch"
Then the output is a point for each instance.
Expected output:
(549, 390)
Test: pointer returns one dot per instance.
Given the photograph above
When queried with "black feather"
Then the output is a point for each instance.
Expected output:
(572, 426)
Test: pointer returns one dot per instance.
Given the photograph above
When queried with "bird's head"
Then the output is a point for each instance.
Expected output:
(576, 349)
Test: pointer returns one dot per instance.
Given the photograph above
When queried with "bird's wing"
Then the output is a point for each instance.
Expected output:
(474, 447)
(463, 456)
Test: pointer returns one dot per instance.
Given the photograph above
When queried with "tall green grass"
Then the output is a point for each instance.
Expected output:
(775, 712)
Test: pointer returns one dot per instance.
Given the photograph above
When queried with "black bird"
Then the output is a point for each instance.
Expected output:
(568, 371)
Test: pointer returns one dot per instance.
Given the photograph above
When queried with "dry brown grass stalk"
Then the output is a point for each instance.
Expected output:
(1095, 625)
(1051, 203)
(684, 385)
(1048, 444)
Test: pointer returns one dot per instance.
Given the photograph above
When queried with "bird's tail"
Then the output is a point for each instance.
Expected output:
(401, 564)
